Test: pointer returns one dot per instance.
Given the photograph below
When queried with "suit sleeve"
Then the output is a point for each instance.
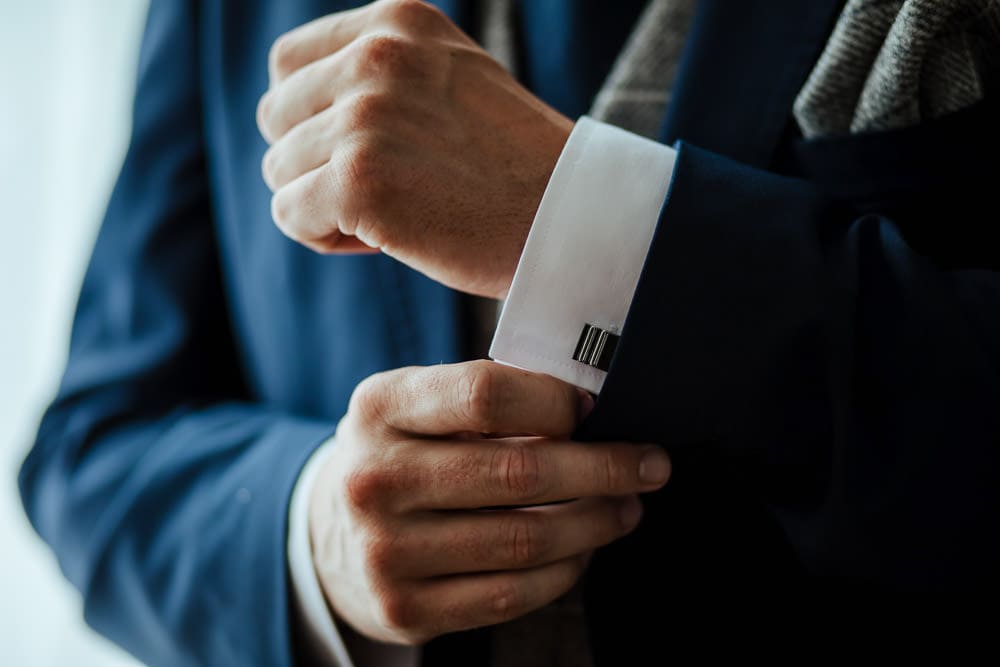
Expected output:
(161, 487)
(834, 361)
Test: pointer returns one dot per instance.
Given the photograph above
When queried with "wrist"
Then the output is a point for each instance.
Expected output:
(548, 152)
(582, 260)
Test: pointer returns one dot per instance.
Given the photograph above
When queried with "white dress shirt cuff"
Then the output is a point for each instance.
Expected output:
(585, 251)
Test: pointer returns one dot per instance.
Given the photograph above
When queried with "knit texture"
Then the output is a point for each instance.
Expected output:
(894, 63)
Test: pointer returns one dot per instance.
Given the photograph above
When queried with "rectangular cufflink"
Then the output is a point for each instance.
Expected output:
(595, 347)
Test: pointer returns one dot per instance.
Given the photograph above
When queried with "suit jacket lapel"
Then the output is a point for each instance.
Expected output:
(744, 63)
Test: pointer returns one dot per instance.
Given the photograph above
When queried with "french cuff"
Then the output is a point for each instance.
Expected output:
(581, 262)
(325, 644)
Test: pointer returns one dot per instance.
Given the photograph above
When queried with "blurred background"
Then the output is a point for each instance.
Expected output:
(66, 83)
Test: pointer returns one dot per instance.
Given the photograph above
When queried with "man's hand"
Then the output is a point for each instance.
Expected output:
(391, 130)
(405, 550)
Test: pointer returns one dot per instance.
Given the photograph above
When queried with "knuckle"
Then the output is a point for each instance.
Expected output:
(360, 170)
(264, 108)
(367, 110)
(396, 611)
(527, 541)
(387, 53)
(399, 611)
(381, 553)
(303, 209)
(281, 58)
(613, 475)
(366, 487)
(478, 389)
(410, 12)
(368, 400)
(286, 212)
(517, 471)
(282, 209)
(505, 601)
(270, 168)
(368, 229)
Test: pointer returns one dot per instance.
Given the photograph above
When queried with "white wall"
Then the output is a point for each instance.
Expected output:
(66, 79)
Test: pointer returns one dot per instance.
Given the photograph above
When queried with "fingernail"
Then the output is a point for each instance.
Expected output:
(654, 466)
(586, 403)
(630, 512)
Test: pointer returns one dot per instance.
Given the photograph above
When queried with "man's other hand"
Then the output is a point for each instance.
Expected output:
(453, 499)
(391, 130)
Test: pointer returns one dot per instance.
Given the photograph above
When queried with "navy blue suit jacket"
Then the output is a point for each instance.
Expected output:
(815, 337)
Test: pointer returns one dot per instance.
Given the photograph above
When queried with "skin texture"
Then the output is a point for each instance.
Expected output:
(403, 546)
(391, 130)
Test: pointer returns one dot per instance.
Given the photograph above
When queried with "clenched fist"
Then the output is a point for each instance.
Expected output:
(453, 499)
(391, 130)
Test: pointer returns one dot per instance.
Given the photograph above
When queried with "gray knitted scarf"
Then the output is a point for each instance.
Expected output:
(888, 64)
(893, 63)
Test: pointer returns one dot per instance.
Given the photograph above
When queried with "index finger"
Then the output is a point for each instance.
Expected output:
(513, 472)
(312, 41)
(478, 396)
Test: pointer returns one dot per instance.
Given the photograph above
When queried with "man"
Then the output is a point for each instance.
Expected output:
(799, 303)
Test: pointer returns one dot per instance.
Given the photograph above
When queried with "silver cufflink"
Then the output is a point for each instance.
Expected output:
(596, 347)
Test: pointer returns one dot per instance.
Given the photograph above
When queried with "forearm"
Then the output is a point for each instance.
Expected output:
(142, 514)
